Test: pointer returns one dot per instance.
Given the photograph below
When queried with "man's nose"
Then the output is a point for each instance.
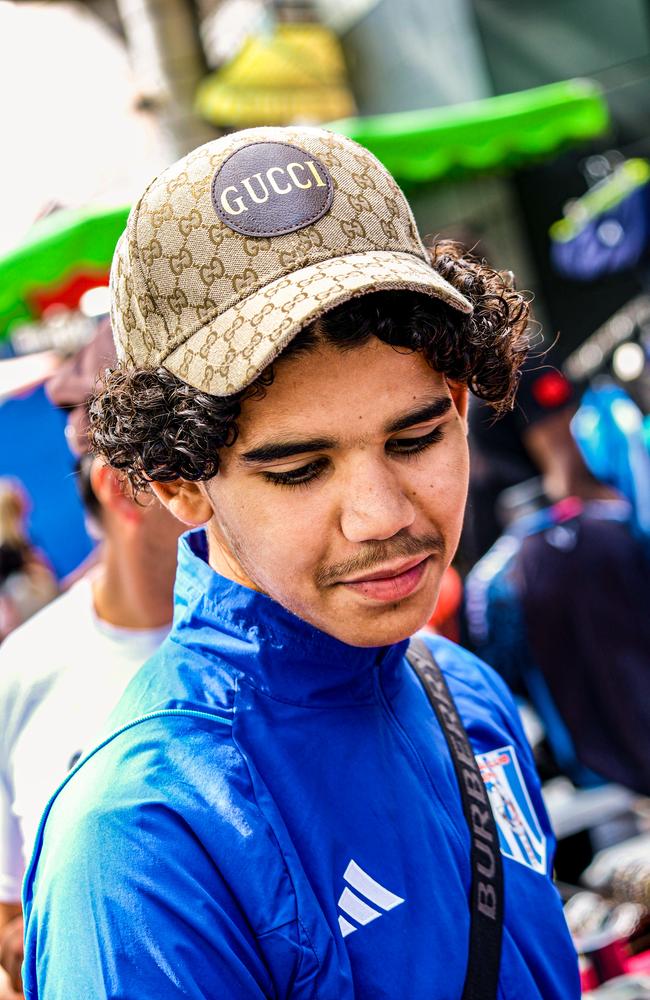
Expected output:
(374, 505)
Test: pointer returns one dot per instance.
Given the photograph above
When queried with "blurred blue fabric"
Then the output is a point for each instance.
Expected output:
(33, 449)
(609, 430)
(613, 241)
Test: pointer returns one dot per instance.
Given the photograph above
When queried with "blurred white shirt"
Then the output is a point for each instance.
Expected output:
(60, 676)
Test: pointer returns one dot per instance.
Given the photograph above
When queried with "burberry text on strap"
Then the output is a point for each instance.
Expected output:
(486, 900)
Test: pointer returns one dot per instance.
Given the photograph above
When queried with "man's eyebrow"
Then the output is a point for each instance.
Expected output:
(431, 411)
(275, 450)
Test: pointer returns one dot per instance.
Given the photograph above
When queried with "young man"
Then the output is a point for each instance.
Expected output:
(277, 813)
(64, 670)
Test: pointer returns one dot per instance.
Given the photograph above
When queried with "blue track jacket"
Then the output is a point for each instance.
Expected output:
(276, 815)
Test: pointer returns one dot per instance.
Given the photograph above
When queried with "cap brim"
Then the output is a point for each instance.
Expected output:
(228, 353)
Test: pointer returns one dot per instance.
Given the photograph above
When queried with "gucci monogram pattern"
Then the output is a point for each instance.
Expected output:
(237, 345)
(214, 306)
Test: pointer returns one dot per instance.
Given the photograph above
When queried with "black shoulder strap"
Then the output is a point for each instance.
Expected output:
(486, 917)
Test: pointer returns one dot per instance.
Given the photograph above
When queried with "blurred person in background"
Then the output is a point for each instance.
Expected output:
(26, 581)
(559, 605)
(62, 672)
(500, 459)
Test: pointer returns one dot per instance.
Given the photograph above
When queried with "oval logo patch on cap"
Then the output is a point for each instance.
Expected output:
(271, 188)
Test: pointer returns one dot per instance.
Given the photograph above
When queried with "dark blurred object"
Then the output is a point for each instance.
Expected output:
(75, 382)
(585, 593)
(499, 457)
(606, 42)
(595, 354)
(12, 559)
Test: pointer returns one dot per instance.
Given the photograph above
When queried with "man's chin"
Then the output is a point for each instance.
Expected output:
(378, 637)
(382, 626)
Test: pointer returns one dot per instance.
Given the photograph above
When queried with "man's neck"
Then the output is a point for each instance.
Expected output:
(130, 593)
(224, 562)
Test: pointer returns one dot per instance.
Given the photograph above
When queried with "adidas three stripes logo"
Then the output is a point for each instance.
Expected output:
(358, 910)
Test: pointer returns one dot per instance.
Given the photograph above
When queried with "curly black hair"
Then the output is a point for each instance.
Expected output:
(156, 428)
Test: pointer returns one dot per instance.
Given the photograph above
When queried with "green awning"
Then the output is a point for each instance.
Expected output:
(498, 132)
(67, 250)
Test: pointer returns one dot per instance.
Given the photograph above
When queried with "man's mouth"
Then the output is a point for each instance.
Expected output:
(393, 582)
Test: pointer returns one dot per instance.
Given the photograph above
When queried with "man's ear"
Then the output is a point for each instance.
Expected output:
(460, 397)
(185, 500)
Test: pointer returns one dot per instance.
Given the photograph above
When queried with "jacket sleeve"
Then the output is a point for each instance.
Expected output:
(125, 902)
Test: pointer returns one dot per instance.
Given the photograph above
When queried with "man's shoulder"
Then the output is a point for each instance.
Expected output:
(489, 714)
(160, 819)
(460, 666)
(180, 758)
(174, 780)
(175, 675)
(482, 697)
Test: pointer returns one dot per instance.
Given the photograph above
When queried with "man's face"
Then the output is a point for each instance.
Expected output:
(343, 497)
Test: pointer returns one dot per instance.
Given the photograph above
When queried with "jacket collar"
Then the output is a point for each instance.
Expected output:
(255, 638)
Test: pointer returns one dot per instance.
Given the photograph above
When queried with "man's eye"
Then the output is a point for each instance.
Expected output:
(297, 477)
(414, 445)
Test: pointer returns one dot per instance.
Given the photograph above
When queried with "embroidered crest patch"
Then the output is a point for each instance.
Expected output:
(520, 834)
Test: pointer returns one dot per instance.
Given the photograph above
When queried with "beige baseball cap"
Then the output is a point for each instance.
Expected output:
(235, 248)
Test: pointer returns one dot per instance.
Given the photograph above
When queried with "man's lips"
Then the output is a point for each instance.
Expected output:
(387, 572)
(391, 583)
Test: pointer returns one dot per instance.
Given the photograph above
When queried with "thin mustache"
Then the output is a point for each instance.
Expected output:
(379, 553)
